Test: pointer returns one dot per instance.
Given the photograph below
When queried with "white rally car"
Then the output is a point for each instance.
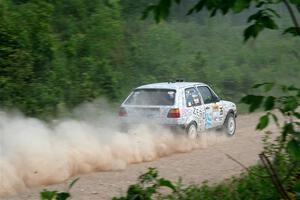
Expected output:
(192, 106)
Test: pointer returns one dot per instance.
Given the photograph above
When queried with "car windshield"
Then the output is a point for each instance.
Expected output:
(155, 97)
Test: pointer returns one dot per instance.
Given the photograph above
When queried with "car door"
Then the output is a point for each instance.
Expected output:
(213, 109)
(194, 108)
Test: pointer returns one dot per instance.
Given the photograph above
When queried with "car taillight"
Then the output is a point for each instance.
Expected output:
(174, 113)
(122, 112)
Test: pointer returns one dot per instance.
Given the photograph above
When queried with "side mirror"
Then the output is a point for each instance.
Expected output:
(217, 99)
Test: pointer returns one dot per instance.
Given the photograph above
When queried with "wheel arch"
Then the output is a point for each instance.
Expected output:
(192, 122)
(230, 111)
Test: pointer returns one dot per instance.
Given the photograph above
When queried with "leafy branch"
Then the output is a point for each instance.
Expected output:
(55, 195)
(289, 139)
(264, 18)
(293, 30)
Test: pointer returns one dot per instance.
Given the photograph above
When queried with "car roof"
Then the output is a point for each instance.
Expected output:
(170, 85)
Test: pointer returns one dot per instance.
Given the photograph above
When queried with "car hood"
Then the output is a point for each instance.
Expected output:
(228, 105)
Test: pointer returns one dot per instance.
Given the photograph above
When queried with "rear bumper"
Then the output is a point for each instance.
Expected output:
(164, 121)
(125, 127)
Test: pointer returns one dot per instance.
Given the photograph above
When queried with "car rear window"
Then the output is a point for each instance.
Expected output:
(154, 97)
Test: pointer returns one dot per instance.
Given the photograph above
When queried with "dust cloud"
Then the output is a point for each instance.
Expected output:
(34, 153)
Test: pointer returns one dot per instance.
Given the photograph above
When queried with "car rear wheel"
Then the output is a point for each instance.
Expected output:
(191, 131)
(230, 124)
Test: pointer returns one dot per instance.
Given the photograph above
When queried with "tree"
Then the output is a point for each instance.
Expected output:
(57, 54)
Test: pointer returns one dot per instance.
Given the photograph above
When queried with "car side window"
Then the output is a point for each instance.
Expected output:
(207, 95)
(192, 97)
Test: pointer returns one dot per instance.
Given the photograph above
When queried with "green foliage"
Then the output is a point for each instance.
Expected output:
(54, 53)
(287, 144)
(293, 148)
(295, 31)
(54, 195)
(254, 100)
(263, 122)
(161, 10)
(148, 187)
(287, 103)
(262, 19)
(297, 189)
(247, 186)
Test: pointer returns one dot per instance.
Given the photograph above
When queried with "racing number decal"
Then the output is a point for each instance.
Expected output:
(197, 112)
(199, 117)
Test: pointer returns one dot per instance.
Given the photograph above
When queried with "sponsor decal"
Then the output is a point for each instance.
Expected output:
(215, 107)
(208, 120)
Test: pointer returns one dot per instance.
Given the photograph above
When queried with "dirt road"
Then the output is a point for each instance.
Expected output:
(207, 163)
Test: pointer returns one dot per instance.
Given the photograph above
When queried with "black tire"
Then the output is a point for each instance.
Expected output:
(230, 124)
(191, 131)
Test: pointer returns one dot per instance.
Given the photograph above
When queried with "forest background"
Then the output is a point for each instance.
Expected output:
(57, 54)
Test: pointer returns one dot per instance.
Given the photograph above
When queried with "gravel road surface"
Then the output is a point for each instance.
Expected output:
(207, 163)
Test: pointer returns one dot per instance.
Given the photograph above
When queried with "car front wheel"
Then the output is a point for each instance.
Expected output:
(230, 124)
